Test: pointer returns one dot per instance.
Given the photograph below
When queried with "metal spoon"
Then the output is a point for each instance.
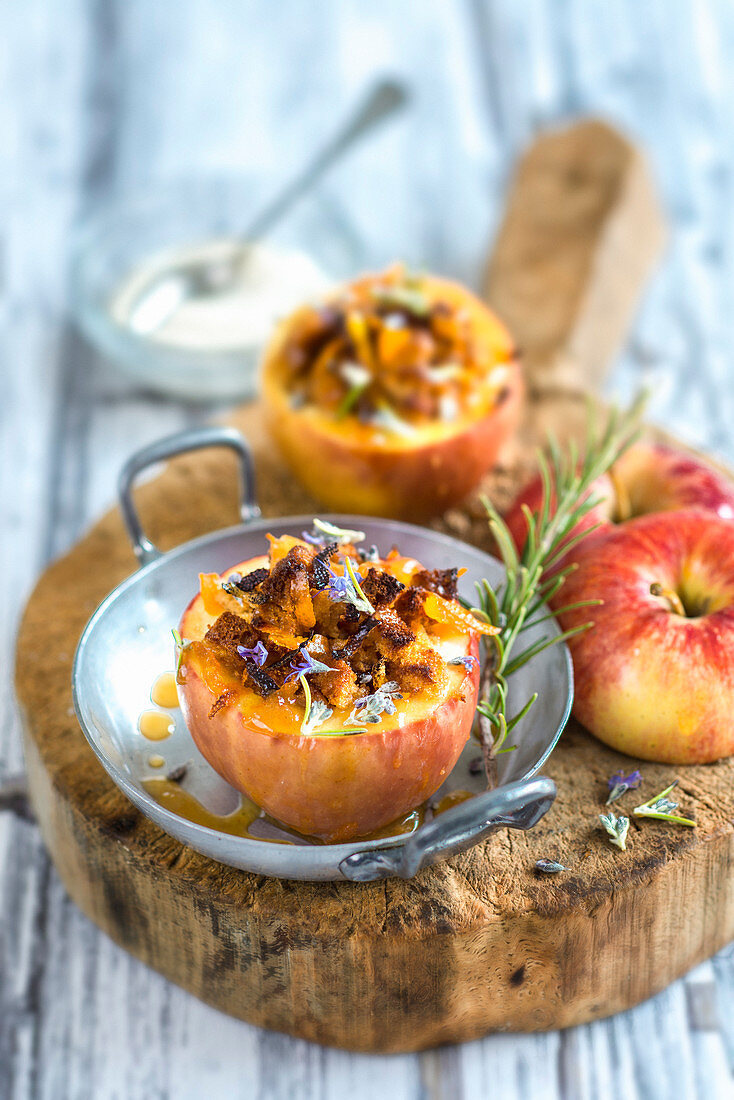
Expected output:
(202, 278)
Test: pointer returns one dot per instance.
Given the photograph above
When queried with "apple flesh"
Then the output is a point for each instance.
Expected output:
(651, 681)
(334, 788)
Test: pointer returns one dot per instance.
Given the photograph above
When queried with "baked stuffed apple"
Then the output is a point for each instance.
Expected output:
(333, 687)
(395, 397)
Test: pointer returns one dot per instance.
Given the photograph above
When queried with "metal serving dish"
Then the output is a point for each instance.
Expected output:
(128, 642)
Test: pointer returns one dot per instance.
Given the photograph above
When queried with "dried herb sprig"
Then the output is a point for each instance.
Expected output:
(533, 577)
(617, 827)
(662, 808)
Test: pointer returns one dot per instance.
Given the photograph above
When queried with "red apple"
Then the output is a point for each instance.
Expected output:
(649, 477)
(659, 478)
(655, 675)
(331, 787)
(599, 516)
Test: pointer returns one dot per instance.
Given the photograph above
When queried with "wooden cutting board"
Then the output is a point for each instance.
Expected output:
(482, 941)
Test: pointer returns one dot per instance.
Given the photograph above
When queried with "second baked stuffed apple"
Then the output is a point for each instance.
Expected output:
(394, 397)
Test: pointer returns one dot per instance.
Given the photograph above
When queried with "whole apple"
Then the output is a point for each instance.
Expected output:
(649, 477)
(655, 674)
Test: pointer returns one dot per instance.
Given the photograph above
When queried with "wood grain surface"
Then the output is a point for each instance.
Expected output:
(101, 96)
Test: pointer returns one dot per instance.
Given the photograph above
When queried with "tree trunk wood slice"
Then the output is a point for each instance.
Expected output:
(481, 942)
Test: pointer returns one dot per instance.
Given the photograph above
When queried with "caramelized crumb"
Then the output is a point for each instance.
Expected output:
(441, 581)
(222, 701)
(231, 631)
(251, 580)
(380, 588)
(291, 606)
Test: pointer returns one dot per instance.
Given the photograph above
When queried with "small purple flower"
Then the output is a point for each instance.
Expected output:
(303, 664)
(315, 540)
(620, 783)
(258, 654)
(468, 662)
(340, 588)
(347, 589)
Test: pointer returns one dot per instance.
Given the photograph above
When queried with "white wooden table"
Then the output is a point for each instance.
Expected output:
(98, 95)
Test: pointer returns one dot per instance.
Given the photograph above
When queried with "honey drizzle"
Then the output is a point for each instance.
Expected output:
(453, 798)
(180, 802)
(156, 725)
(173, 797)
(164, 693)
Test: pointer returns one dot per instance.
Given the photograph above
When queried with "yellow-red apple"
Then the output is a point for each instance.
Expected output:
(654, 676)
(649, 477)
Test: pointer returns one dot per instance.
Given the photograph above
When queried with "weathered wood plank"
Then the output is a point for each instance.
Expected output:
(660, 70)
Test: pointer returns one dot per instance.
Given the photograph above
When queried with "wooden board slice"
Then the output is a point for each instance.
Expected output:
(480, 942)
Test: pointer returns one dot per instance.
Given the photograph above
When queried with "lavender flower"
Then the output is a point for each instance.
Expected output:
(303, 664)
(258, 654)
(468, 662)
(317, 713)
(370, 707)
(373, 554)
(346, 588)
(620, 783)
(324, 532)
(662, 808)
(549, 866)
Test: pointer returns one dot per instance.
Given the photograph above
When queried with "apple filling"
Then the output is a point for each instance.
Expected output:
(322, 638)
(387, 353)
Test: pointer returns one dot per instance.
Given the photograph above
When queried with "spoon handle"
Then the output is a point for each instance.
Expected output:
(383, 100)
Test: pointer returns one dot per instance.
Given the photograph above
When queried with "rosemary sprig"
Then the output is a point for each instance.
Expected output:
(533, 576)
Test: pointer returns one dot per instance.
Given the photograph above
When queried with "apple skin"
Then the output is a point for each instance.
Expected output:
(334, 788)
(661, 478)
(649, 477)
(650, 682)
(416, 482)
(359, 470)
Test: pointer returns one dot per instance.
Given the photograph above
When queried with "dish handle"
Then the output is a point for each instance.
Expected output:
(517, 806)
(194, 439)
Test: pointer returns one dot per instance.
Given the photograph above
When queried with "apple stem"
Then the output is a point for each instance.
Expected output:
(669, 594)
